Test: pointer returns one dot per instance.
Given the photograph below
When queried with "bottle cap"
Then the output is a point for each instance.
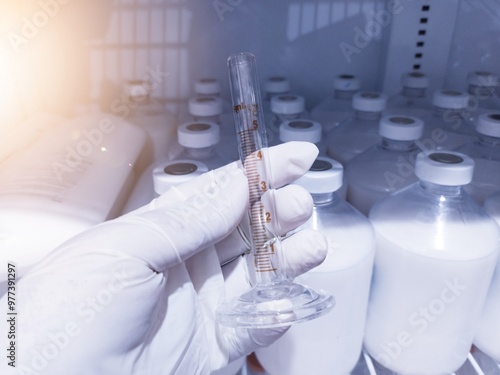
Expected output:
(176, 172)
(324, 176)
(137, 88)
(198, 134)
(489, 124)
(277, 85)
(300, 130)
(288, 104)
(415, 80)
(346, 82)
(401, 128)
(482, 79)
(205, 106)
(450, 99)
(368, 101)
(207, 86)
(444, 168)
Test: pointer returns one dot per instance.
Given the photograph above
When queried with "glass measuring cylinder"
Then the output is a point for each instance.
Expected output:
(275, 300)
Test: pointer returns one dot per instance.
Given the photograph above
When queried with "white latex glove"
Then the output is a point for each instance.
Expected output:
(137, 295)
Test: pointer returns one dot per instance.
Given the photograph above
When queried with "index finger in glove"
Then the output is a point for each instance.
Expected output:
(285, 163)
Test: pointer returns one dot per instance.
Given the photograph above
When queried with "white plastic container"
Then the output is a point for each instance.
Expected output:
(487, 336)
(413, 100)
(449, 126)
(275, 85)
(360, 131)
(386, 167)
(331, 344)
(303, 130)
(211, 109)
(72, 178)
(151, 116)
(485, 150)
(19, 138)
(481, 87)
(436, 253)
(338, 106)
(285, 107)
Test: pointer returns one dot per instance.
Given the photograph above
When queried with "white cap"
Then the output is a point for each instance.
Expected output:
(401, 128)
(205, 106)
(444, 168)
(288, 104)
(346, 82)
(324, 176)
(489, 124)
(300, 130)
(176, 172)
(277, 85)
(368, 101)
(450, 99)
(207, 86)
(198, 134)
(482, 79)
(137, 88)
(415, 80)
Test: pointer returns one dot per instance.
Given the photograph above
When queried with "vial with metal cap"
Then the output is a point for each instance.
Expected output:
(274, 85)
(338, 106)
(285, 107)
(413, 100)
(485, 150)
(199, 140)
(436, 253)
(387, 166)
(487, 337)
(450, 124)
(151, 116)
(360, 131)
(331, 344)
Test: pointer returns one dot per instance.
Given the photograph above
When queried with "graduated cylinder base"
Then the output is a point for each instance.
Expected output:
(274, 306)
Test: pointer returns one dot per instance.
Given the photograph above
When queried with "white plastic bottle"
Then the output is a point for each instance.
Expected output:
(211, 109)
(159, 124)
(386, 167)
(481, 87)
(197, 141)
(274, 85)
(449, 126)
(337, 107)
(487, 336)
(413, 99)
(284, 108)
(360, 131)
(302, 130)
(20, 137)
(331, 344)
(485, 150)
(436, 253)
(75, 176)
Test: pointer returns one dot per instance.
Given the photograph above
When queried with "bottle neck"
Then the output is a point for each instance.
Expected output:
(200, 153)
(413, 93)
(325, 198)
(287, 117)
(215, 118)
(343, 94)
(487, 141)
(443, 190)
(368, 116)
(481, 92)
(141, 99)
(394, 145)
(450, 113)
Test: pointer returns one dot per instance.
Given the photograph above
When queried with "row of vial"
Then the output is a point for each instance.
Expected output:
(431, 274)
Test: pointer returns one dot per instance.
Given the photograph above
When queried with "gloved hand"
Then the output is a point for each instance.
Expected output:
(137, 295)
